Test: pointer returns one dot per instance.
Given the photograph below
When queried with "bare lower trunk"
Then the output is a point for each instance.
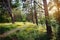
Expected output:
(48, 26)
(12, 16)
(10, 11)
(35, 13)
(33, 19)
(6, 4)
(49, 30)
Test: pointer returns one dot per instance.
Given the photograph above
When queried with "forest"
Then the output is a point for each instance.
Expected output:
(29, 19)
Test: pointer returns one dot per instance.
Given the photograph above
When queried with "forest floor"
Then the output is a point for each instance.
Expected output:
(22, 26)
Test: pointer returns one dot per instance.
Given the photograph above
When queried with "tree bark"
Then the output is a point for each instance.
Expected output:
(32, 12)
(48, 26)
(6, 4)
(35, 13)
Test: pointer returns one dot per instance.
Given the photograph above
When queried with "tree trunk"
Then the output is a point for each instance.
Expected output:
(48, 26)
(32, 12)
(6, 4)
(35, 13)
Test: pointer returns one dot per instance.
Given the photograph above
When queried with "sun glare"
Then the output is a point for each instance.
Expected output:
(53, 10)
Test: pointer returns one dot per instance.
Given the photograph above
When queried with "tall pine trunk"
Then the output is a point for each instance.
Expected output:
(35, 13)
(6, 4)
(10, 11)
(32, 12)
(48, 26)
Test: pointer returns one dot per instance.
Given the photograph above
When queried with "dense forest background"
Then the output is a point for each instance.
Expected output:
(29, 20)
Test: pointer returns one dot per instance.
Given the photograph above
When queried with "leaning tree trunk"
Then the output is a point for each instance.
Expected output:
(32, 12)
(10, 11)
(6, 4)
(48, 26)
(35, 13)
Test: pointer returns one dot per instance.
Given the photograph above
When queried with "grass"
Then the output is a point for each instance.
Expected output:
(24, 24)
(31, 31)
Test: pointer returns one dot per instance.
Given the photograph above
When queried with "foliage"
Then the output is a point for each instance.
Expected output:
(5, 28)
(41, 20)
(58, 33)
(57, 16)
(29, 32)
(15, 3)
(4, 16)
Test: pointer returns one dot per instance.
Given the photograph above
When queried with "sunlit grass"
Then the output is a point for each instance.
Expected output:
(25, 27)
(20, 24)
(28, 25)
(42, 28)
(25, 24)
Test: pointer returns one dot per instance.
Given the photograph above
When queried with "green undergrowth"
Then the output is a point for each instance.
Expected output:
(28, 31)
